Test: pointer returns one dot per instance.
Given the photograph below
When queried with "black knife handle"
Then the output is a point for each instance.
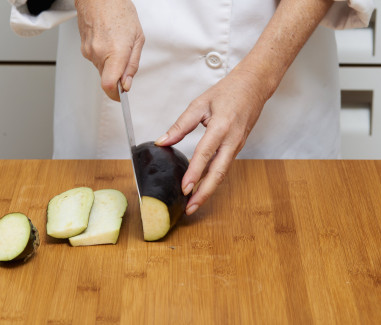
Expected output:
(35, 7)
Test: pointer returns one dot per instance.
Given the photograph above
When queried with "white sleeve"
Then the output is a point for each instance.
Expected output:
(25, 24)
(349, 14)
(343, 14)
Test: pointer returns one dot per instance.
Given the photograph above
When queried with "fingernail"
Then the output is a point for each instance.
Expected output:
(162, 139)
(192, 209)
(188, 188)
(127, 83)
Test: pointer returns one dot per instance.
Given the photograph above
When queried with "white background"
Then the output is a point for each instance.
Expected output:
(27, 72)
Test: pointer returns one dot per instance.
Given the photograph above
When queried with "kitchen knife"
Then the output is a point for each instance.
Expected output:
(130, 132)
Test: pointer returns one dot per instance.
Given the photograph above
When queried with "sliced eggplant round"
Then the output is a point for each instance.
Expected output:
(68, 213)
(19, 238)
(159, 172)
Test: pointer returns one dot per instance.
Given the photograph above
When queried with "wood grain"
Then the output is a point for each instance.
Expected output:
(291, 242)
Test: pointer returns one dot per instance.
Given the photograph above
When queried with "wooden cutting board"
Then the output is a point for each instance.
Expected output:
(291, 242)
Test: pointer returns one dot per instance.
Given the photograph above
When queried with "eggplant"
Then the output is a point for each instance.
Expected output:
(68, 213)
(159, 172)
(105, 219)
(19, 238)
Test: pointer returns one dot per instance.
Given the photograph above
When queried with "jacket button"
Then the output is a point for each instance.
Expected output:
(214, 60)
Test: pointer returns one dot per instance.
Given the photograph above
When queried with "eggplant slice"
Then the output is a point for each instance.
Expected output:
(19, 238)
(159, 173)
(105, 219)
(68, 213)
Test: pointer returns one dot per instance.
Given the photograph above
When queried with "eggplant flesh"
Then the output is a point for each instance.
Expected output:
(105, 219)
(159, 173)
(19, 238)
(68, 213)
(155, 218)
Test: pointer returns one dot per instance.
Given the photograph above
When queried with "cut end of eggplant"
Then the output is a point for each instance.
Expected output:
(155, 218)
(19, 239)
(159, 174)
(68, 213)
(105, 219)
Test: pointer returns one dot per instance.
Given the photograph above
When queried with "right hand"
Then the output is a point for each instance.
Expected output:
(112, 39)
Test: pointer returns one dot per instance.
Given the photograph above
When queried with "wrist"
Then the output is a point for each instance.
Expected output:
(260, 78)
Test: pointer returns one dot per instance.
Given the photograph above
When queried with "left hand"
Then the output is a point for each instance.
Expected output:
(229, 111)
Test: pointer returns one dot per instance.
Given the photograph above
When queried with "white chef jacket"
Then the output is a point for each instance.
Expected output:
(190, 46)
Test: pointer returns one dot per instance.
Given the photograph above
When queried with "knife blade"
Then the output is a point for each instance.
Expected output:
(130, 132)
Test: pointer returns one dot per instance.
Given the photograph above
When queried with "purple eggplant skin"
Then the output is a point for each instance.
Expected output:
(159, 172)
(32, 246)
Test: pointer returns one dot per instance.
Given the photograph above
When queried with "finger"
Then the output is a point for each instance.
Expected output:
(113, 69)
(204, 152)
(185, 124)
(215, 176)
(133, 64)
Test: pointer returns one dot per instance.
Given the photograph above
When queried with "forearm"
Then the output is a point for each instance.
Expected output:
(292, 24)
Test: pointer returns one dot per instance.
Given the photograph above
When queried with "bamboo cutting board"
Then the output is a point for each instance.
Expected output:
(291, 242)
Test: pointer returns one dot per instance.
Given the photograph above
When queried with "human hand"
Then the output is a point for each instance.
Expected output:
(112, 39)
(229, 111)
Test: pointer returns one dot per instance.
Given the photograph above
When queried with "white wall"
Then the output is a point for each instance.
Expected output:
(360, 80)
(27, 73)
(27, 69)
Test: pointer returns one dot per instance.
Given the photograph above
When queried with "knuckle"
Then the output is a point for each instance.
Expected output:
(222, 127)
(219, 176)
(241, 140)
(108, 85)
(204, 196)
(98, 50)
(141, 39)
(206, 155)
(177, 131)
(177, 127)
(241, 144)
(198, 103)
(85, 50)
(133, 66)
(195, 102)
